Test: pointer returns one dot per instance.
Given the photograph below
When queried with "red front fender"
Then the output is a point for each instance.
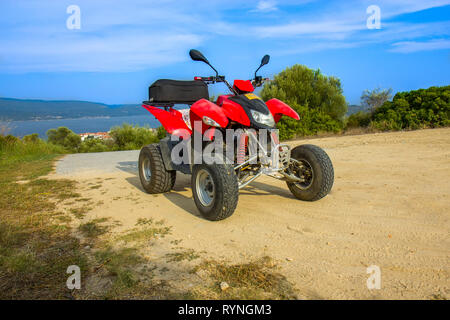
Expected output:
(204, 108)
(235, 112)
(279, 108)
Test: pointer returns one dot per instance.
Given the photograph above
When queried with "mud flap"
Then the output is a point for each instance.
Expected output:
(166, 146)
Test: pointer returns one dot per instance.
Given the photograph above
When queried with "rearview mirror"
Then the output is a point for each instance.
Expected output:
(265, 60)
(197, 56)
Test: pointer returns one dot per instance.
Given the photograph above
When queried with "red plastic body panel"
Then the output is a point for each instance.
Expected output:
(244, 85)
(206, 108)
(222, 98)
(235, 112)
(171, 120)
(279, 108)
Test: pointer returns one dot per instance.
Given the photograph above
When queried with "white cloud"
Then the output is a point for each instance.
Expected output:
(319, 28)
(118, 52)
(416, 46)
(138, 34)
(124, 36)
(343, 25)
(266, 6)
(392, 8)
(407, 31)
(345, 18)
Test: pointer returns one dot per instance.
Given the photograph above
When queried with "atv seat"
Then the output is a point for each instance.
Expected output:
(166, 92)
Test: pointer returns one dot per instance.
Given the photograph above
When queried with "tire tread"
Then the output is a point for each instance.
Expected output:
(229, 189)
(162, 180)
(327, 172)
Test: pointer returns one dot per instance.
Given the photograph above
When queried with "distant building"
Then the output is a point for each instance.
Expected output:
(95, 135)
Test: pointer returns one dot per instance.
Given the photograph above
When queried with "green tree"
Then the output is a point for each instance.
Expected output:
(94, 145)
(31, 138)
(373, 99)
(317, 98)
(128, 137)
(64, 137)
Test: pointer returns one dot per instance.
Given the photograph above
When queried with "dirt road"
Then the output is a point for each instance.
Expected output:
(389, 207)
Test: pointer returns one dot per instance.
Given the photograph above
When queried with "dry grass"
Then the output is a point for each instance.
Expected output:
(80, 212)
(37, 245)
(183, 255)
(94, 228)
(34, 250)
(145, 230)
(258, 279)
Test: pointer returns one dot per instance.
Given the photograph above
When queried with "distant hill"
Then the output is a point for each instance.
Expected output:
(21, 109)
(353, 108)
(18, 109)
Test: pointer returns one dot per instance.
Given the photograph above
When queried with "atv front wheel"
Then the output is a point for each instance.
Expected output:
(215, 189)
(314, 167)
(154, 176)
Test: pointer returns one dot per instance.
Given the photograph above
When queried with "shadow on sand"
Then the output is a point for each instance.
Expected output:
(183, 183)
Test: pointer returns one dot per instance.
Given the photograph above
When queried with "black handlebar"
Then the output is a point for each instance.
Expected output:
(211, 79)
(257, 82)
(214, 79)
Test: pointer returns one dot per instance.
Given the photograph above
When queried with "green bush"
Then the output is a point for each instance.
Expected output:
(424, 108)
(95, 145)
(125, 137)
(318, 99)
(128, 137)
(359, 119)
(13, 149)
(161, 133)
(65, 138)
(31, 138)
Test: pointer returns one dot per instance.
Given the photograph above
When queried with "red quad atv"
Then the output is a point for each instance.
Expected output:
(307, 169)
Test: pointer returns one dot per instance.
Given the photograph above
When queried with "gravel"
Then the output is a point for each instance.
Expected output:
(106, 162)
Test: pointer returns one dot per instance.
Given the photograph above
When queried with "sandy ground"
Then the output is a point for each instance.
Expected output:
(389, 207)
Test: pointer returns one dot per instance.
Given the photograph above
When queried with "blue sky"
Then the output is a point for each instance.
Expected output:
(123, 46)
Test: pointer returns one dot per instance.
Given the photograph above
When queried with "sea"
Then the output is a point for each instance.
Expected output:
(80, 125)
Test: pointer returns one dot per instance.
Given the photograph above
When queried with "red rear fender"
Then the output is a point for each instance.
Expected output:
(171, 120)
(279, 108)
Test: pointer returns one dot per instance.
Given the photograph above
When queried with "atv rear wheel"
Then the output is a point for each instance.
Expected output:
(215, 190)
(154, 176)
(315, 168)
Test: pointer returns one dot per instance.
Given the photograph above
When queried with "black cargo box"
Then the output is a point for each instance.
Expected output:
(175, 91)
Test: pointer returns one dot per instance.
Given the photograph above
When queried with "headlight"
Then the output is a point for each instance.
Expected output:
(210, 122)
(266, 119)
